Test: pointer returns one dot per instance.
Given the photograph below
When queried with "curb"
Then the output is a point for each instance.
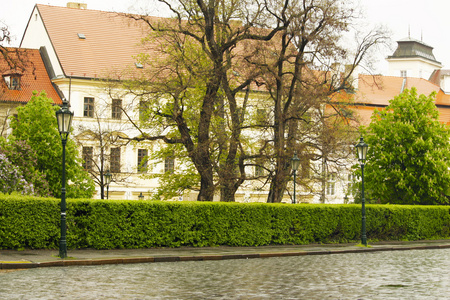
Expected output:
(155, 259)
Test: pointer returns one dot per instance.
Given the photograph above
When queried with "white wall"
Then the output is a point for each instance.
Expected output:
(419, 68)
(35, 36)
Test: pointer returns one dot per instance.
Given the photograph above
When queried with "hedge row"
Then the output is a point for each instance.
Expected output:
(28, 222)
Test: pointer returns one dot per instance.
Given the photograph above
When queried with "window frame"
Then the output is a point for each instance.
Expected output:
(331, 184)
(116, 109)
(88, 156)
(13, 81)
(89, 107)
(114, 159)
(169, 165)
(143, 107)
(141, 155)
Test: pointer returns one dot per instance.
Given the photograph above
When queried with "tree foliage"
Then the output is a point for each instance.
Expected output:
(19, 169)
(408, 157)
(214, 59)
(36, 125)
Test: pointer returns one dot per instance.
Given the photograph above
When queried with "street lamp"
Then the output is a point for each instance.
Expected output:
(295, 162)
(141, 197)
(107, 177)
(64, 117)
(362, 147)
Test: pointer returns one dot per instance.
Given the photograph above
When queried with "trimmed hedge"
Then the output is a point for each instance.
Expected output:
(29, 222)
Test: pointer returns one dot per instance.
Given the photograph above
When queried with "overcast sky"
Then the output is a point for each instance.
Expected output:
(425, 20)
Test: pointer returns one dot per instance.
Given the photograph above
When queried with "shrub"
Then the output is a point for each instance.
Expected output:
(30, 222)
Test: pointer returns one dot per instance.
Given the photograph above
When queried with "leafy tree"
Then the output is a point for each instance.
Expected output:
(24, 159)
(36, 125)
(303, 75)
(173, 183)
(195, 72)
(215, 55)
(407, 161)
(11, 178)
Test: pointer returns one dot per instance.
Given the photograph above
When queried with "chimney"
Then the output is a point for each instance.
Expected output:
(77, 5)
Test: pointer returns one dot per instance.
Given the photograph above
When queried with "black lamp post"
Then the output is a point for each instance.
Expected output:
(141, 197)
(108, 177)
(362, 147)
(64, 117)
(295, 162)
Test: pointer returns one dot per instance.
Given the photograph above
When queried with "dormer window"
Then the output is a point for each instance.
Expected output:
(12, 80)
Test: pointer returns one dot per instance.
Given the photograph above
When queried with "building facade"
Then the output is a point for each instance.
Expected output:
(85, 49)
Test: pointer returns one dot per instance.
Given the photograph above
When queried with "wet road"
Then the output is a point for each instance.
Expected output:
(413, 274)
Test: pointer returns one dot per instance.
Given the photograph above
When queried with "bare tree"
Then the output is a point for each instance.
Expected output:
(302, 73)
(102, 147)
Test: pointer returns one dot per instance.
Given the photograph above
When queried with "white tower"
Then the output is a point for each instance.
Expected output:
(413, 58)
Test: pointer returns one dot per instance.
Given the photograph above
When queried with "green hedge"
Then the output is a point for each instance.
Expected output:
(28, 222)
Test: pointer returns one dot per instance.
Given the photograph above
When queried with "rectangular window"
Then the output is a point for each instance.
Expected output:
(115, 160)
(261, 116)
(116, 110)
(89, 107)
(88, 154)
(259, 171)
(142, 160)
(330, 188)
(306, 167)
(403, 73)
(169, 165)
(15, 83)
(259, 168)
(331, 183)
(351, 185)
(12, 81)
(143, 111)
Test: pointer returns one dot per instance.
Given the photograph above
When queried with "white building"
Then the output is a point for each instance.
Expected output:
(413, 58)
(82, 46)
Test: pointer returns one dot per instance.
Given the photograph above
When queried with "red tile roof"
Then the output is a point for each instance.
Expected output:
(375, 92)
(28, 63)
(378, 90)
(111, 39)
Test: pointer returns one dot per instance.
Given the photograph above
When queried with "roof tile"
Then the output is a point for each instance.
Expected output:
(111, 39)
(34, 77)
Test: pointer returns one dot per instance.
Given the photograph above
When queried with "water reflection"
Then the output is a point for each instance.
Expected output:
(419, 274)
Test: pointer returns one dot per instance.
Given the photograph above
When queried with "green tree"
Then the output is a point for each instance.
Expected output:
(407, 162)
(36, 125)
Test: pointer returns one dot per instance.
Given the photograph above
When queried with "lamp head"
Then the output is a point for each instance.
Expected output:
(362, 148)
(295, 161)
(64, 117)
(108, 177)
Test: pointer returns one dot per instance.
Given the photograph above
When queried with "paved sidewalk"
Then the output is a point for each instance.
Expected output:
(13, 259)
